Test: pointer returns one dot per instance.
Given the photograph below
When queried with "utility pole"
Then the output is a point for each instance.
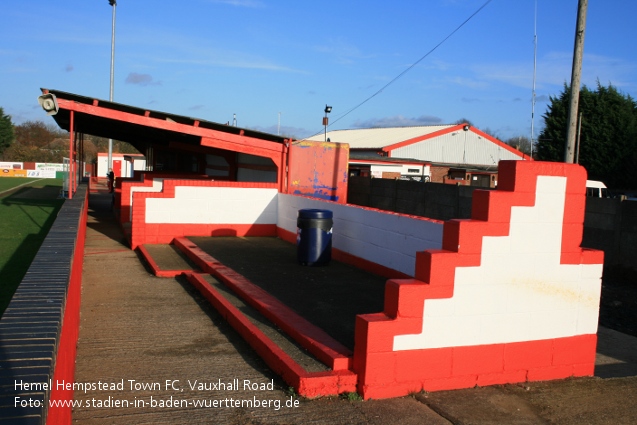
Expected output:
(579, 133)
(569, 151)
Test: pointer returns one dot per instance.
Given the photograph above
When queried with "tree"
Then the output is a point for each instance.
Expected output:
(37, 142)
(521, 143)
(608, 137)
(101, 144)
(6, 131)
(490, 132)
(37, 133)
(464, 121)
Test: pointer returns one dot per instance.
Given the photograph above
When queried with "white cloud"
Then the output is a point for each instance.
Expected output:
(285, 131)
(228, 61)
(141, 79)
(175, 48)
(554, 69)
(240, 3)
(398, 121)
(343, 51)
(471, 82)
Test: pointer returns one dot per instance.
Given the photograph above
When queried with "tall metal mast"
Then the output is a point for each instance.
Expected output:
(534, 74)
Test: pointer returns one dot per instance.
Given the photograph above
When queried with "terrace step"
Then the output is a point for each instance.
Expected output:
(307, 375)
(304, 355)
(166, 260)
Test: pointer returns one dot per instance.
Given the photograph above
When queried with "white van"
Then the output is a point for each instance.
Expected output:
(596, 189)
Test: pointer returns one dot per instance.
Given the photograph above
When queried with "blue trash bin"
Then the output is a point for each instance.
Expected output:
(314, 237)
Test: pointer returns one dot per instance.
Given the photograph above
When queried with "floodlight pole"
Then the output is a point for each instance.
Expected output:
(327, 110)
(110, 97)
(569, 151)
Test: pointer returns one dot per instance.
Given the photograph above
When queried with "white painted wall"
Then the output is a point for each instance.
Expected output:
(384, 238)
(520, 291)
(222, 205)
(127, 170)
(158, 186)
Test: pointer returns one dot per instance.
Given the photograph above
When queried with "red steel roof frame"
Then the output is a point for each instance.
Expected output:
(141, 127)
(458, 127)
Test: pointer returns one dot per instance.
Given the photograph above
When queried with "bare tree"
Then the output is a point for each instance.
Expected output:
(464, 121)
(521, 143)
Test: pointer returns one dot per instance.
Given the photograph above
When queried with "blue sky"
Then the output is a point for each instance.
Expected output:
(211, 59)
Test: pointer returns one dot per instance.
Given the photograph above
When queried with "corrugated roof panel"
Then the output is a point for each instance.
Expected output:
(376, 138)
(457, 148)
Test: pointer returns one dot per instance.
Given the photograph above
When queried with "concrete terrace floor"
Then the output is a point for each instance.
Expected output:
(147, 337)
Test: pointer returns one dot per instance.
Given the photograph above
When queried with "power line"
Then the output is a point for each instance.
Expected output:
(396, 78)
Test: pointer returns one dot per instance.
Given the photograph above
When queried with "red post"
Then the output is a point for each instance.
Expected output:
(71, 140)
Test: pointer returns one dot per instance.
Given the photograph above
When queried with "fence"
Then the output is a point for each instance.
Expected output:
(432, 200)
(611, 225)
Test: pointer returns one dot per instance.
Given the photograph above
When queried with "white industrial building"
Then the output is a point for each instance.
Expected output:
(455, 144)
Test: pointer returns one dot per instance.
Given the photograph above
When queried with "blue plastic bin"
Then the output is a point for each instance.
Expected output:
(314, 237)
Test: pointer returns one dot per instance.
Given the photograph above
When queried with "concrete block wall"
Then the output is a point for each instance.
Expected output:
(383, 194)
(40, 327)
(410, 198)
(506, 296)
(384, 241)
(163, 209)
(142, 182)
(611, 225)
(432, 200)
(511, 296)
(203, 208)
(628, 235)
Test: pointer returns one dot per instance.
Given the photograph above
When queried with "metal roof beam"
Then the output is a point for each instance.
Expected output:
(236, 142)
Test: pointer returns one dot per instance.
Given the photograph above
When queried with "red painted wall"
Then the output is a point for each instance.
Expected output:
(65, 357)
(318, 170)
(385, 371)
(154, 233)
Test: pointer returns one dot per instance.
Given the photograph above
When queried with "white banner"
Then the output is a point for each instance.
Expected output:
(49, 166)
(44, 174)
(11, 165)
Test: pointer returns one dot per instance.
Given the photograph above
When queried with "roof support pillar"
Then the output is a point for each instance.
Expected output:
(71, 175)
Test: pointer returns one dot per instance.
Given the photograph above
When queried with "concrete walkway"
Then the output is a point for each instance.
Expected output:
(151, 349)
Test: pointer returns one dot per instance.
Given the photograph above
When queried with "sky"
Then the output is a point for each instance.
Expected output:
(277, 64)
